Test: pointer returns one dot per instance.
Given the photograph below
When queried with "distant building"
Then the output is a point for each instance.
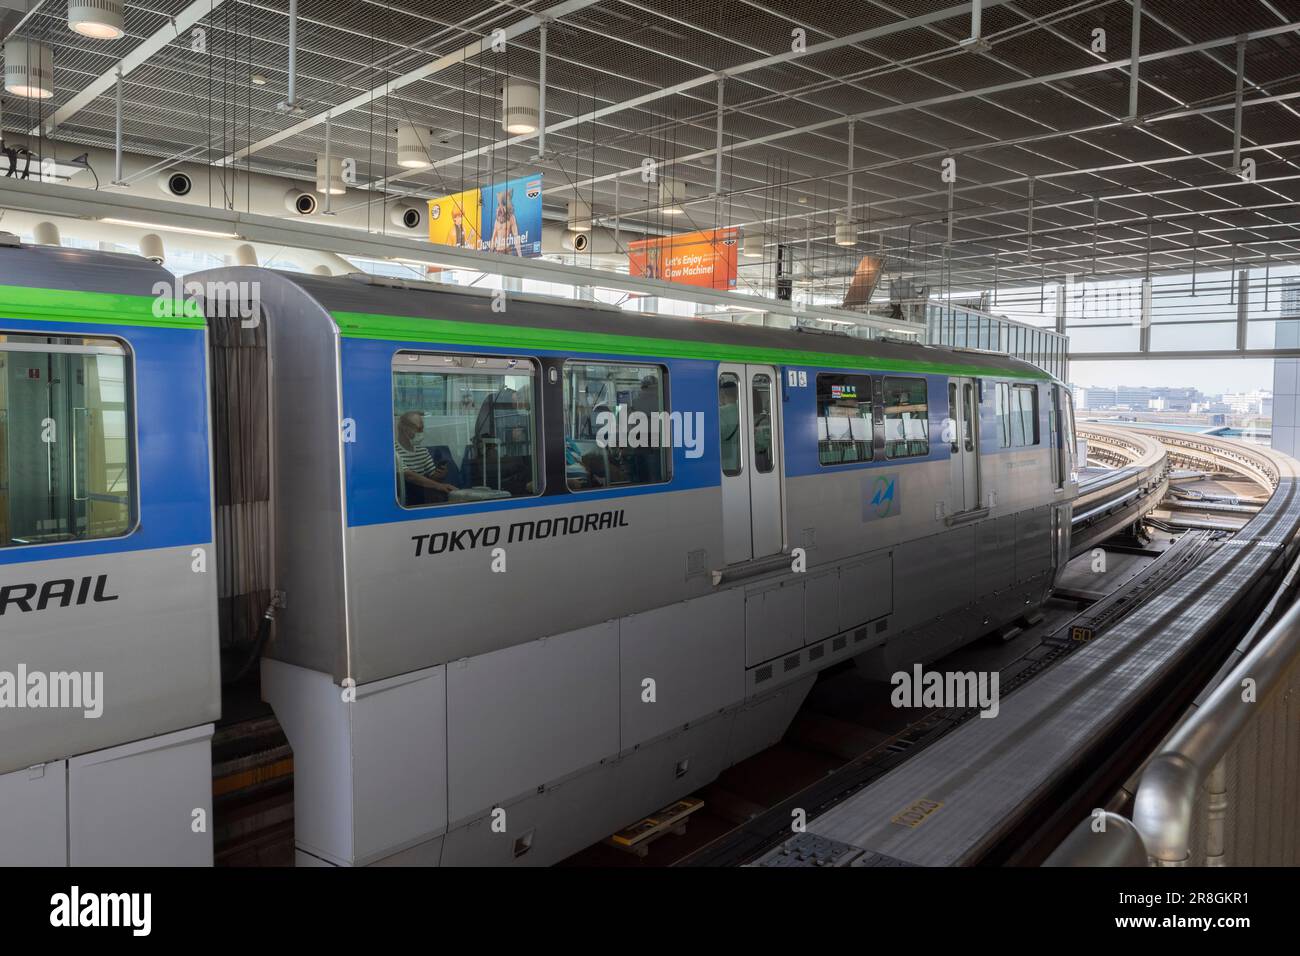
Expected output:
(1127, 396)
(1175, 399)
(1093, 398)
(1259, 402)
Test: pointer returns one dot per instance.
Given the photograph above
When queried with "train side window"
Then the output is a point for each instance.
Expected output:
(67, 456)
(729, 436)
(762, 410)
(1024, 415)
(1003, 409)
(907, 421)
(464, 429)
(618, 430)
(843, 418)
(1067, 413)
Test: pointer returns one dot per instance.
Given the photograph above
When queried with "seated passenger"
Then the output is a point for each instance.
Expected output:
(422, 478)
(595, 465)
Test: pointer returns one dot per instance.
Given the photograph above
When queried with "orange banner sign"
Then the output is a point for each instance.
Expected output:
(694, 258)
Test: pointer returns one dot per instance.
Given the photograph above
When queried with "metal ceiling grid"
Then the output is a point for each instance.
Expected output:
(1067, 132)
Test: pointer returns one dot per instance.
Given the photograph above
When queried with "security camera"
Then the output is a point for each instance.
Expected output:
(300, 203)
(573, 241)
(175, 183)
(405, 216)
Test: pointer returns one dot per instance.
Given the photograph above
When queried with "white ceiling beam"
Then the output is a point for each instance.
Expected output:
(478, 47)
(145, 50)
(76, 202)
(703, 80)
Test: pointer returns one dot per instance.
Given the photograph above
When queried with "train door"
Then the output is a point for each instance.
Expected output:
(749, 442)
(1054, 439)
(1065, 470)
(962, 435)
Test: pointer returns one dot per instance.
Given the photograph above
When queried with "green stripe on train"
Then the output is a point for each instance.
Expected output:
(365, 325)
(97, 308)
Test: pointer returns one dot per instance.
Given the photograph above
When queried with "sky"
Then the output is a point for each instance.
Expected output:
(1212, 377)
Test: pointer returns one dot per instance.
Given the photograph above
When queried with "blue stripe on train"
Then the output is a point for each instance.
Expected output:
(367, 390)
(368, 461)
(171, 420)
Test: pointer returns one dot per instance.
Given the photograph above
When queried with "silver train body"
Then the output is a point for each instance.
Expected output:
(559, 640)
(109, 673)
(535, 672)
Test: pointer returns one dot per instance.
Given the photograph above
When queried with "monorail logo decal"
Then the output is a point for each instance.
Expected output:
(467, 539)
(881, 498)
(59, 592)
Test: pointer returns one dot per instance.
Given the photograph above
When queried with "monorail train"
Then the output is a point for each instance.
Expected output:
(537, 568)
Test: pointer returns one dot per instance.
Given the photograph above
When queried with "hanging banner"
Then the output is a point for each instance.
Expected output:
(865, 277)
(505, 217)
(455, 220)
(705, 258)
(512, 217)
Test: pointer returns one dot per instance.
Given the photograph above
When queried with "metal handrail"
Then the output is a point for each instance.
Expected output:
(1105, 839)
(1166, 797)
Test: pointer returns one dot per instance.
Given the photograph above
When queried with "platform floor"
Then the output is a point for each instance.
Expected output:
(848, 717)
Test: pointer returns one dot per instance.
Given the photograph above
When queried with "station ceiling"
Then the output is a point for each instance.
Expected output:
(1052, 176)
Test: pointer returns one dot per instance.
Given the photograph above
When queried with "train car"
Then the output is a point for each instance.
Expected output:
(541, 568)
(109, 673)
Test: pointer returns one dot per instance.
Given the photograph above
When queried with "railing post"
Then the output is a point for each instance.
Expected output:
(1216, 814)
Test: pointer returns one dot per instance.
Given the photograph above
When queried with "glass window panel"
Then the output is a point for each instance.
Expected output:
(1024, 415)
(843, 418)
(729, 437)
(907, 422)
(617, 430)
(968, 416)
(66, 447)
(464, 429)
(764, 454)
(1003, 409)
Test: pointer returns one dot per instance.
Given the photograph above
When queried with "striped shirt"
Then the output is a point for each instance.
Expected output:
(416, 459)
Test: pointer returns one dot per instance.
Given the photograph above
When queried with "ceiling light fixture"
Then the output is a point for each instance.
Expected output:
(579, 215)
(672, 192)
(846, 234)
(188, 230)
(520, 107)
(330, 182)
(97, 19)
(413, 146)
(455, 267)
(29, 69)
